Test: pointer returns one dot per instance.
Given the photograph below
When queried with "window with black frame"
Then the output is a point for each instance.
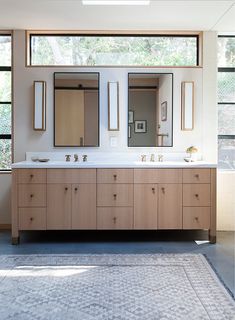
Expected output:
(226, 102)
(5, 102)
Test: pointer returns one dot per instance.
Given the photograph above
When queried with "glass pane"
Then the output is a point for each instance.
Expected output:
(5, 86)
(5, 154)
(226, 52)
(226, 86)
(5, 50)
(5, 116)
(226, 118)
(114, 50)
(226, 154)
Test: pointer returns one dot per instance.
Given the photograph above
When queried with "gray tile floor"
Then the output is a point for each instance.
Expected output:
(221, 255)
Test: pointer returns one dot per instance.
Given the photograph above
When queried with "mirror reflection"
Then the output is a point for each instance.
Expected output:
(150, 109)
(76, 109)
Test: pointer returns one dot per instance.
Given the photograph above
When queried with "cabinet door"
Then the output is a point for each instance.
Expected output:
(145, 206)
(83, 206)
(170, 206)
(58, 206)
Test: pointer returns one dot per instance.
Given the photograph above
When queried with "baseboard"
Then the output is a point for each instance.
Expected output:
(5, 226)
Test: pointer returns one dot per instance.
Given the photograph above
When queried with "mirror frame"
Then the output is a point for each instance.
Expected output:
(75, 72)
(172, 115)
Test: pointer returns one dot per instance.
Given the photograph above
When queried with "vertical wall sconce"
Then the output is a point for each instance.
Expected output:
(187, 105)
(113, 106)
(39, 114)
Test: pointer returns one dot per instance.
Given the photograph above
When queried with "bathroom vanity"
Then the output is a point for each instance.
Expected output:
(60, 196)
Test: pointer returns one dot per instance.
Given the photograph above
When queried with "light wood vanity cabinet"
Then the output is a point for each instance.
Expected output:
(114, 199)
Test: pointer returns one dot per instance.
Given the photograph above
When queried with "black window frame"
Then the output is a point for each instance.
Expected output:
(183, 35)
(8, 69)
(226, 69)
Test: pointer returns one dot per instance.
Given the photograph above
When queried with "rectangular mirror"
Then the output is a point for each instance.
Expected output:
(113, 111)
(187, 105)
(150, 109)
(39, 114)
(76, 109)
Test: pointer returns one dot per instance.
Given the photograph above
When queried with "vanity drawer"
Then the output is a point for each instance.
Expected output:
(71, 175)
(115, 175)
(196, 175)
(196, 218)
(32, 218)
(196, 195)
(115, 218)
(32, 195)
(112, 195)
(31, 175)
(157, 175)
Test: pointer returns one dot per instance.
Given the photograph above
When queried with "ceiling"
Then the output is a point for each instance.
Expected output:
(159, 15)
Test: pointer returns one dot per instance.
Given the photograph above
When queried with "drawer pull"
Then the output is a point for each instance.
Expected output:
(115, 177)
(197, 196)
(66, 188)
(31, 196)
(115, 196)
(163, 190)
(76, 189)
(196, 176)
(31, 219)
(153, 189)
(114, 219)
(31, 176)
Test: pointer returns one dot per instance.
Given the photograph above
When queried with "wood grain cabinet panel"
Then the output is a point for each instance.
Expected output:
(196, 195)
(196, 217)
(170, 206)
(111, 218)
(31, 175)
(32, 195)
(196, 175)
(59, 206)
(32, 218)
(115, 195)
(84, 206)
(145, 206)
(71, 175)
(157, 175)
(115, 175)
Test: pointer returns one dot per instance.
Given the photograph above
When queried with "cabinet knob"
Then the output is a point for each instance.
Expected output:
(115, 196)
(31, 176)
(66, 188)
(31, 196)
(196, 176)
(153, 189)
(31, 219)
(115, 177)
(76, 189)
(114, 219)
(163, 190)
(197, 195)
(196, 218)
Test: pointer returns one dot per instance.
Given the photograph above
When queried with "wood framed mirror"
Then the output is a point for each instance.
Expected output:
(76, 109)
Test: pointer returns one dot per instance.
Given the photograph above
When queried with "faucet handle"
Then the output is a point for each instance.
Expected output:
(67, 157)
(75, 157)
(143, 157)
(84, 158)
(160, 157)
(152, 157)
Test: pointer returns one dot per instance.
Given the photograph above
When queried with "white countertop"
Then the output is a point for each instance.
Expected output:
(127, 164)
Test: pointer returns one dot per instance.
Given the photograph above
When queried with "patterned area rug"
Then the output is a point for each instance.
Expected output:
(111, 287)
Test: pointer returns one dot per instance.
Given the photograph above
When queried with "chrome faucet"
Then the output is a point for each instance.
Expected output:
(152, 158)
(75, 158)
(143, 157)
(67, 157)
(84, 158)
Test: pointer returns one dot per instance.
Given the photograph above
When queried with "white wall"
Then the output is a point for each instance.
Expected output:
(204, 135)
